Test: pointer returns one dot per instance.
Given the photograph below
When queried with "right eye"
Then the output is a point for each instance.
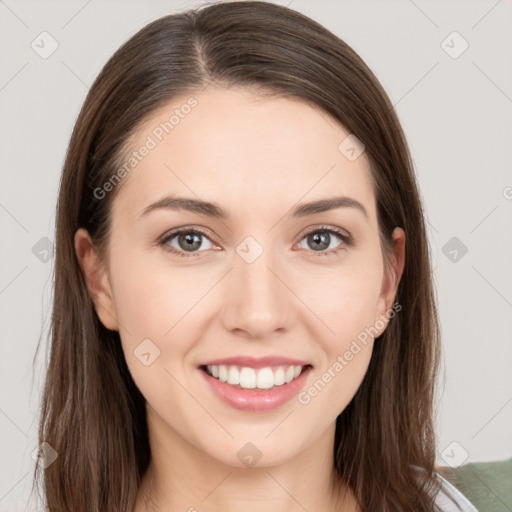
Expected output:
(185, 240)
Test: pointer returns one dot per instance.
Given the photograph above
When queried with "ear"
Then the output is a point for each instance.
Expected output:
(392, 275)
(96, 277)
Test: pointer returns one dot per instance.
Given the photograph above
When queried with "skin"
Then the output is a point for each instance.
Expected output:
(256, 158)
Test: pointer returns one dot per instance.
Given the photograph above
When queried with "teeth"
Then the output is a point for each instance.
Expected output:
(233, 376)
(223, 373)
(247, 377)
(250, 378)
(265, 378)
(279, 376)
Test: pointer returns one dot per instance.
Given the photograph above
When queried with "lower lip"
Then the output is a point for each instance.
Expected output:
(255, 400)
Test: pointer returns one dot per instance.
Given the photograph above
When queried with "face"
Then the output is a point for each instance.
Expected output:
(253, 284)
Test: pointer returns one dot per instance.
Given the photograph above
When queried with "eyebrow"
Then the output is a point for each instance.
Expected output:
(215, 211)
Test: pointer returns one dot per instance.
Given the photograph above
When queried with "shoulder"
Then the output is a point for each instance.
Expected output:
(450, 499)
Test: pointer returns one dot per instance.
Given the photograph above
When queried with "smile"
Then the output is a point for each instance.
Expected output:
(254, 378)
(252, 389)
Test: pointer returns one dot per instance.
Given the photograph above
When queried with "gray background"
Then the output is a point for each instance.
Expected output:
(456, 112)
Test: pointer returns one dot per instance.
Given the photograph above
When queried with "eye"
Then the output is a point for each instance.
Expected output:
(186, 240)
(321, 240)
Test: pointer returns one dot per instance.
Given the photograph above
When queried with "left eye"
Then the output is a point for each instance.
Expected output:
(321, 240)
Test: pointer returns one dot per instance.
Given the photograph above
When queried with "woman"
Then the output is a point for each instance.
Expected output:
(244, 316)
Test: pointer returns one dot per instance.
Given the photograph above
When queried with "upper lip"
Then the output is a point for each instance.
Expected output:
(260, 362)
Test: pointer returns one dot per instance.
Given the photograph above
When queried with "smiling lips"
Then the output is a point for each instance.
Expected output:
(255, 384)
(249, 378)
(250, 373)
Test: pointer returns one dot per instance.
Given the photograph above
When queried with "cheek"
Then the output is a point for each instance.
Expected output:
(150, 298)
(345, 299)
(163, 304)
(152, 305)
(345, 338)
(335, 384)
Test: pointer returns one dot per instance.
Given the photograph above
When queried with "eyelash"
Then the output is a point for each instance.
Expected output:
(346, 239)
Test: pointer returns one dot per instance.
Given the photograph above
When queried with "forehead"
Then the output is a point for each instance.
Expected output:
(249, 153)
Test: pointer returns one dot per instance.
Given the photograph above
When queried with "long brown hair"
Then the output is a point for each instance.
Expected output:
(385, 443)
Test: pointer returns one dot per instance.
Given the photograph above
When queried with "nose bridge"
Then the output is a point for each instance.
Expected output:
(258, 302)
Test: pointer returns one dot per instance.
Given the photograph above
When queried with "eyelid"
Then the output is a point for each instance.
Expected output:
(326, 227)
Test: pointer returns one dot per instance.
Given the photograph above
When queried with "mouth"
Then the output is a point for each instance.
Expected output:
(251, 389)
(246, 377)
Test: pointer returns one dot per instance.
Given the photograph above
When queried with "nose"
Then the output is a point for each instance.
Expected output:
(258, 302)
